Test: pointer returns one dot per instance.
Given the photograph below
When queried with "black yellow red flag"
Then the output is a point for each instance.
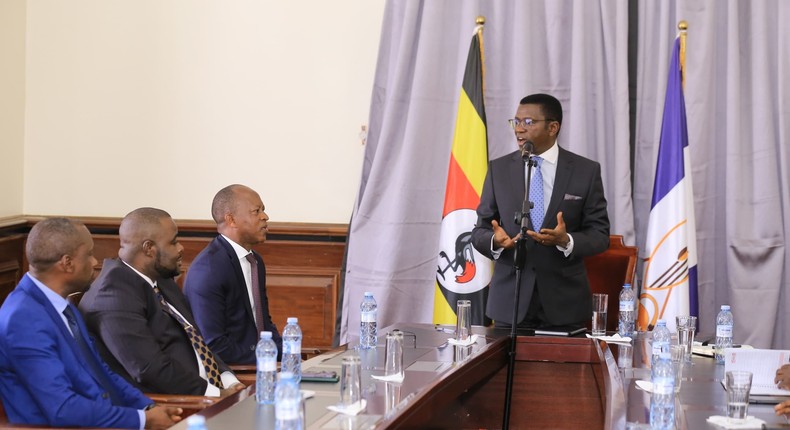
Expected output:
(463, 273)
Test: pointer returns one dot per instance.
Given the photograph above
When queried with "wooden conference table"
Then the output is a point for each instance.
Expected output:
(560, 383)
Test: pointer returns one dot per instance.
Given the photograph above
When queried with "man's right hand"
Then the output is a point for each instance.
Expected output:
(225, 392)
(162, 417)
(501, 239)
(782, 379)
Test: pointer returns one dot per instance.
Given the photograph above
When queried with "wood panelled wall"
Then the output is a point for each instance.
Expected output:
(303, 266)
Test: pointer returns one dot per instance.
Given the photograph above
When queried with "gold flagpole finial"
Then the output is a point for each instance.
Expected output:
(683, 27)
(480, 21)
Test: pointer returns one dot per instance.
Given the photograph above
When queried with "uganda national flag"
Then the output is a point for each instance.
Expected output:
(462, 272)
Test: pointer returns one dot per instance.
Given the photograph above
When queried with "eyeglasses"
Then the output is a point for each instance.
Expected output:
(526, 122)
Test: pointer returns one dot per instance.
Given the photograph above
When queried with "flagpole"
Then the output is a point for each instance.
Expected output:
(480, 21)
(683, 26)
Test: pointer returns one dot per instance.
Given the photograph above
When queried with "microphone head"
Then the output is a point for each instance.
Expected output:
(527, 149)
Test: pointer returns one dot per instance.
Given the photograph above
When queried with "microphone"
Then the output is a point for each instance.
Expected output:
(526, 150)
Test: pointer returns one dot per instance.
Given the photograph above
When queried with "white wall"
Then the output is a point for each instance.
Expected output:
(12, 105)
(163, 102)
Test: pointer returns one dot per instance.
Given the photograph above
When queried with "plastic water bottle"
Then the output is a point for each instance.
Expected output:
(367, 322)
(292, 349)
(288, 404)
(661, 339)
(266, 375)
(196, 422)
(662, 401)
(627, 314)
(724, 323)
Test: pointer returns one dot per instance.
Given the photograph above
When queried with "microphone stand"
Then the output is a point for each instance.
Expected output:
(523, 218)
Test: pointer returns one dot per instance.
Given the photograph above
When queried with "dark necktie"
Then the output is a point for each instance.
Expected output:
(206, 357)
(536, 194)
(90, 359)
(256, 292)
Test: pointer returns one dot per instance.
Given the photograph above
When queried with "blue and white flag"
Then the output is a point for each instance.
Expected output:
(669, 288)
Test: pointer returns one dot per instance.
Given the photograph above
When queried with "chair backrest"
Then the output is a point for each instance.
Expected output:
(74, 298)
(3, 417)
(609, 270)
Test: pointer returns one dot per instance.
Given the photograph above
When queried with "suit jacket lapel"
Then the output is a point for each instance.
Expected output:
(170, 292)
(28, 286)
(561, 180)
(240, 283)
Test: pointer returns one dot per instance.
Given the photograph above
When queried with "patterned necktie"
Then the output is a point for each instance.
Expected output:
(90, 359)
(256, 292)
(206, 357)
(536, 195)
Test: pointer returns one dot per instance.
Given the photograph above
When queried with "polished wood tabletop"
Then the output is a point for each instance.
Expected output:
(560, 383)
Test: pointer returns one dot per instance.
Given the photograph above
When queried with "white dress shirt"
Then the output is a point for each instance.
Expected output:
(548, 169)
(246, 268)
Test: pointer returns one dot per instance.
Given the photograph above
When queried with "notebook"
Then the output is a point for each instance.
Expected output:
(763, 364)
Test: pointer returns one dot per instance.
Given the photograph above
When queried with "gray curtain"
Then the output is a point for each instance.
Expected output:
(737, 100)
(575, 50)
(738, 107)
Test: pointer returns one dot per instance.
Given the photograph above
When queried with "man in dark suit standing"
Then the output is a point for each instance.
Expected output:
(50, 372)
(570, 217)
(144, 326)
(226, 283)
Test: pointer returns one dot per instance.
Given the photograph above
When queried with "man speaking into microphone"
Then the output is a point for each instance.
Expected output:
(568, 221)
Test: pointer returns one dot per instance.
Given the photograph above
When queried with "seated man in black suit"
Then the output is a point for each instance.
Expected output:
(144, 327)
(226, 283)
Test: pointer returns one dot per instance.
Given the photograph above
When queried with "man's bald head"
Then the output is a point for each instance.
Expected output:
(149, 243)
(138, 226)
(51, 239)
(225, 202)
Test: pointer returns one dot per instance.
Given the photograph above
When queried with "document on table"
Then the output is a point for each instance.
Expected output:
(763, 364)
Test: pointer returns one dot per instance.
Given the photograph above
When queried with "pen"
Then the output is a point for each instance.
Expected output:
(707, 342)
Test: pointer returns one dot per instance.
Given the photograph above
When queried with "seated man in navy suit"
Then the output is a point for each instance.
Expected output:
(226, 283)
(50, 372)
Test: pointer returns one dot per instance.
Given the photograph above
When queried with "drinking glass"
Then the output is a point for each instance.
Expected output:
(463, 326)
(350, 380)
(686, 326)
(393, 353)
(600, 305)
(738, 383)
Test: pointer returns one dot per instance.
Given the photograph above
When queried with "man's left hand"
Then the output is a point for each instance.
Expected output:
(552, 237)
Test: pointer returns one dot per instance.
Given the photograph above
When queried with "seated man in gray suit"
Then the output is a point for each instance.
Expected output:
(143, 325)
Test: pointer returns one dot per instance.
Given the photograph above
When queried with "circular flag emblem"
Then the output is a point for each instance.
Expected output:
(461, 269)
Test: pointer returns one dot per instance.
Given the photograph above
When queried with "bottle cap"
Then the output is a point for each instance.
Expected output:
(368, 294)
(725, 307)
(196, 420)
(661, 322)
(293, 320)
(626, 285)
(266, 335)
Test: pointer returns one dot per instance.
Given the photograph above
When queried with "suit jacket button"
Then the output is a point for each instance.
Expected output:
(105, 395)
(252, 347)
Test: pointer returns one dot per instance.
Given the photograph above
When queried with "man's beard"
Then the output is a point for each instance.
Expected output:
(165, 272)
